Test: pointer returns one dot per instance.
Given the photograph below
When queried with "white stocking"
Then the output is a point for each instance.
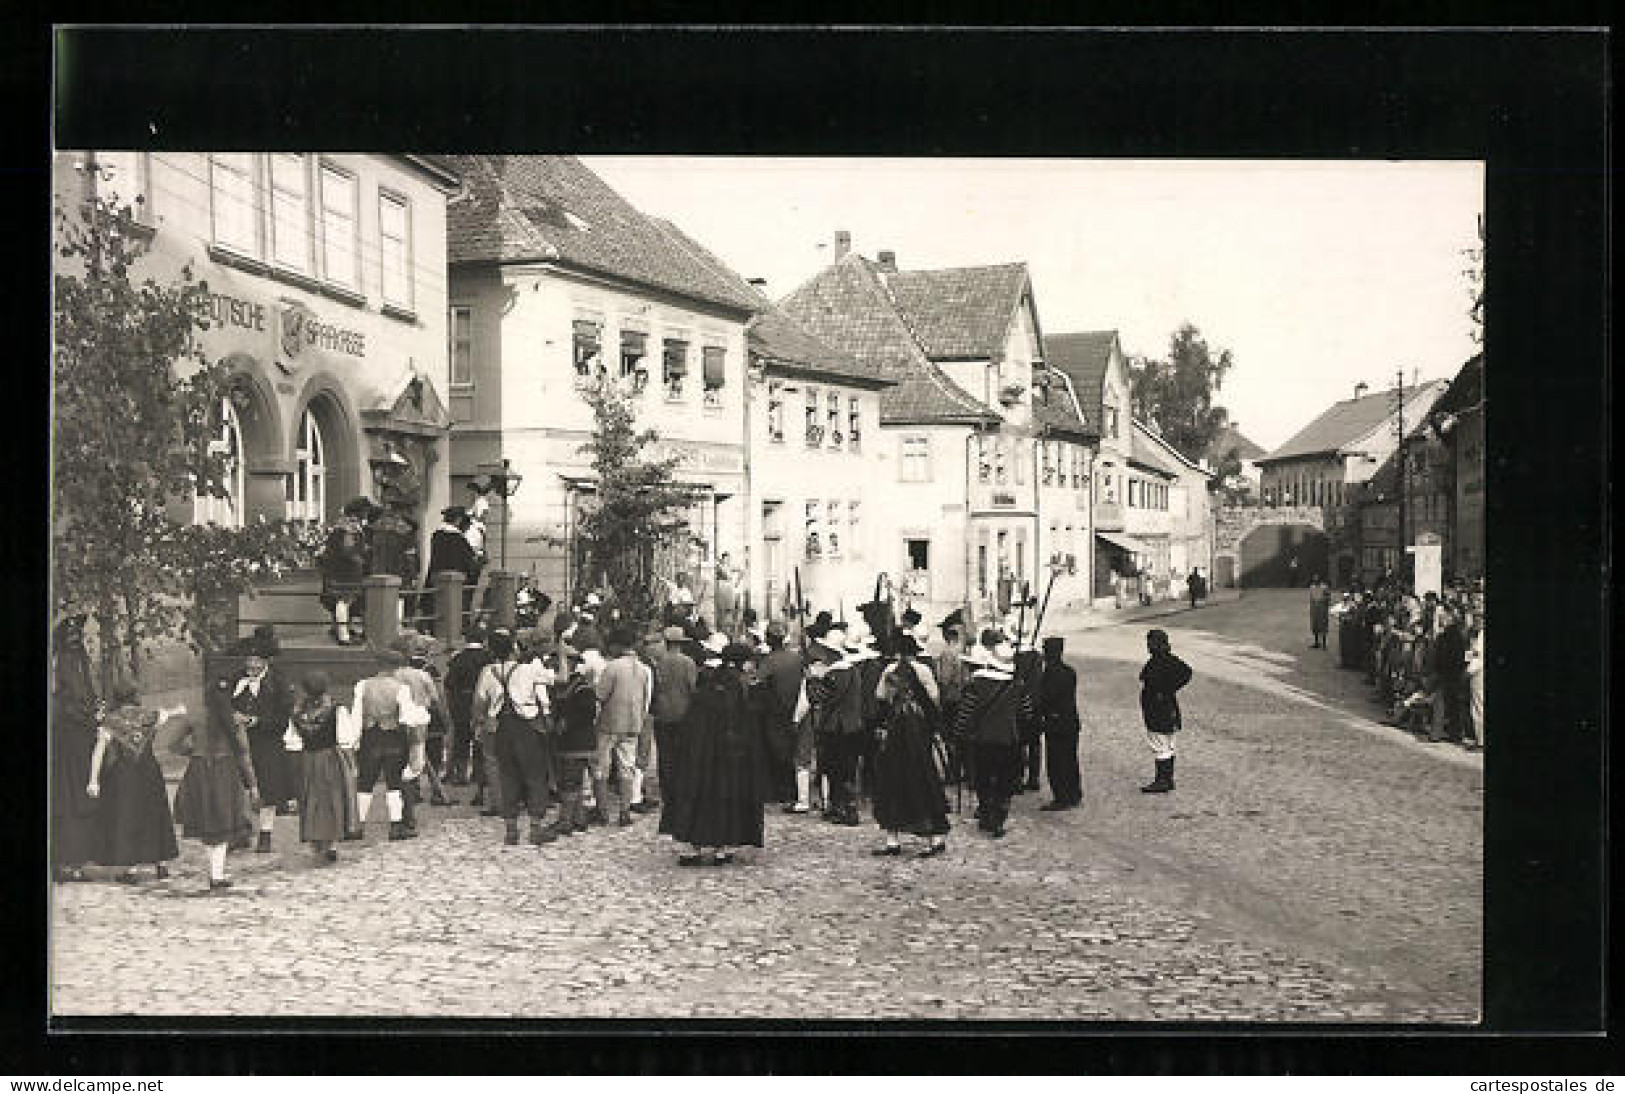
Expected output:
(217, 860)
(267, 817)
(393, 800)
(363, 805)
(637, 786)
(803, 787)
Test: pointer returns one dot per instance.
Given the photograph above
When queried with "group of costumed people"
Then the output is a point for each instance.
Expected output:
(560, 722)
(1423, 656)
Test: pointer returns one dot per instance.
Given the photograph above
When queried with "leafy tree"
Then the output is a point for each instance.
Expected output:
(1175, 396)
(136, 404)
(640, 509)
(1474, 273)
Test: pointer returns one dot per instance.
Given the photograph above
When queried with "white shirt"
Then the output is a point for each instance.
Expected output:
(527, 689)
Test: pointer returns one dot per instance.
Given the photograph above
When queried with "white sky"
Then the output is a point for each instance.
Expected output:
(1316, 275)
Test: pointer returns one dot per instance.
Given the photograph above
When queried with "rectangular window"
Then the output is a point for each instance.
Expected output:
(290, 212)
(231, 201)
(981, 569)
(1047, 469)
(1001, 461)
(854, 423)
(815, 429)
(775, 411)
(1020, 446)
(341, 247)
(915, 462)
(919, 554)
(1132, 483)
(461, 332)
(712, 360)
(834, 419)
(815, 546)
(634, 355)
(984, 466)
(586, 348)
(853, 543)
(674, 366)
(120, 179)
(395, 246)
(832, 519)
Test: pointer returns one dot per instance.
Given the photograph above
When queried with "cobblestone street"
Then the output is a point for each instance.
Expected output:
(1311, 866)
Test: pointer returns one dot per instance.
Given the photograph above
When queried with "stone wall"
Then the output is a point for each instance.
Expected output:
(1234, 522)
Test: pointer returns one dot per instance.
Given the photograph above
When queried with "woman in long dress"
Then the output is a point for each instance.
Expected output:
(218, 791)
(75, 711)
(716, 798)
(326, 795)
(137, 826)
(908, 787)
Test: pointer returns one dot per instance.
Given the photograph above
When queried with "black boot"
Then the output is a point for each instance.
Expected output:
(1170, 772)
(399, 831)
(264, 846)
(510, 835)
(1163, 781)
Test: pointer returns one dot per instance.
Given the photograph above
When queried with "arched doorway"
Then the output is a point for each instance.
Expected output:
(227, 443)
(307, 486)
(1268, 550)
(326, 429)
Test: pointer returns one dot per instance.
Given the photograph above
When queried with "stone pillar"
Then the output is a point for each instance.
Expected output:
(448, 608)
(504, 593)
(381, 609)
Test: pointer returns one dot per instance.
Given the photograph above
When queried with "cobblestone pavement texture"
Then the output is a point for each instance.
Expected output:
(1308, 868)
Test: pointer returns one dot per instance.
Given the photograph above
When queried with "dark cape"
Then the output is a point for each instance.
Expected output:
(1163, 676)
(908, 789)
(716, 797)
(75, 833)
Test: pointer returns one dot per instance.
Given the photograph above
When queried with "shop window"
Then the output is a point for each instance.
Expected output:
(915, 459)
(460, 332)
(713, 365)
(228, 445)
(587, 349)
(815, 429)
(341, 249)
(307, 486)
(634, 364)
(290, 212)
(674, 367)
(775, 411)
(854, 423)
(395, 246)
(834, 418)
(231, 202)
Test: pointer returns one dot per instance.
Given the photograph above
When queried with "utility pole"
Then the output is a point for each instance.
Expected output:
(1404, 469)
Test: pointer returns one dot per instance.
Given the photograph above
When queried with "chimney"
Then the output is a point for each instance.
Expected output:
(1360, 389)
(888, 261)
(843, 244)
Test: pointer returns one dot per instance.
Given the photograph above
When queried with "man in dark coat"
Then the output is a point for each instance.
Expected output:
(449, 549)
(834, 693)
(1160, 680)
(1450, 676)
(1058, 715)
(992, 713)
(262, 701)
(780, 672)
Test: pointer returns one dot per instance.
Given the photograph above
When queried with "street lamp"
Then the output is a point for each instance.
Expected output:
(504, 482)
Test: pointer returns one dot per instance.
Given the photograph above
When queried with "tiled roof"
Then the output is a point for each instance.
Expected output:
(958, 313)
(1144, 451)
(1228, 438)
(774, 335)
(551, 208)
(1347, 421)
(1057, 414)
(846, 305)
(1084, 357)
(1466, 390)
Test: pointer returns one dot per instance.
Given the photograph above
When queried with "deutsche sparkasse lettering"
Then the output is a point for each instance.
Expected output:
(340, 339)
(225, 309)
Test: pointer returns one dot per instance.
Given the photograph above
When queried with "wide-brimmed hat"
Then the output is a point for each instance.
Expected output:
(910, 619)
(264, 641)
(833, 639)
(1001, 656)
(451, 514)
(358, 507)
(955, 618)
